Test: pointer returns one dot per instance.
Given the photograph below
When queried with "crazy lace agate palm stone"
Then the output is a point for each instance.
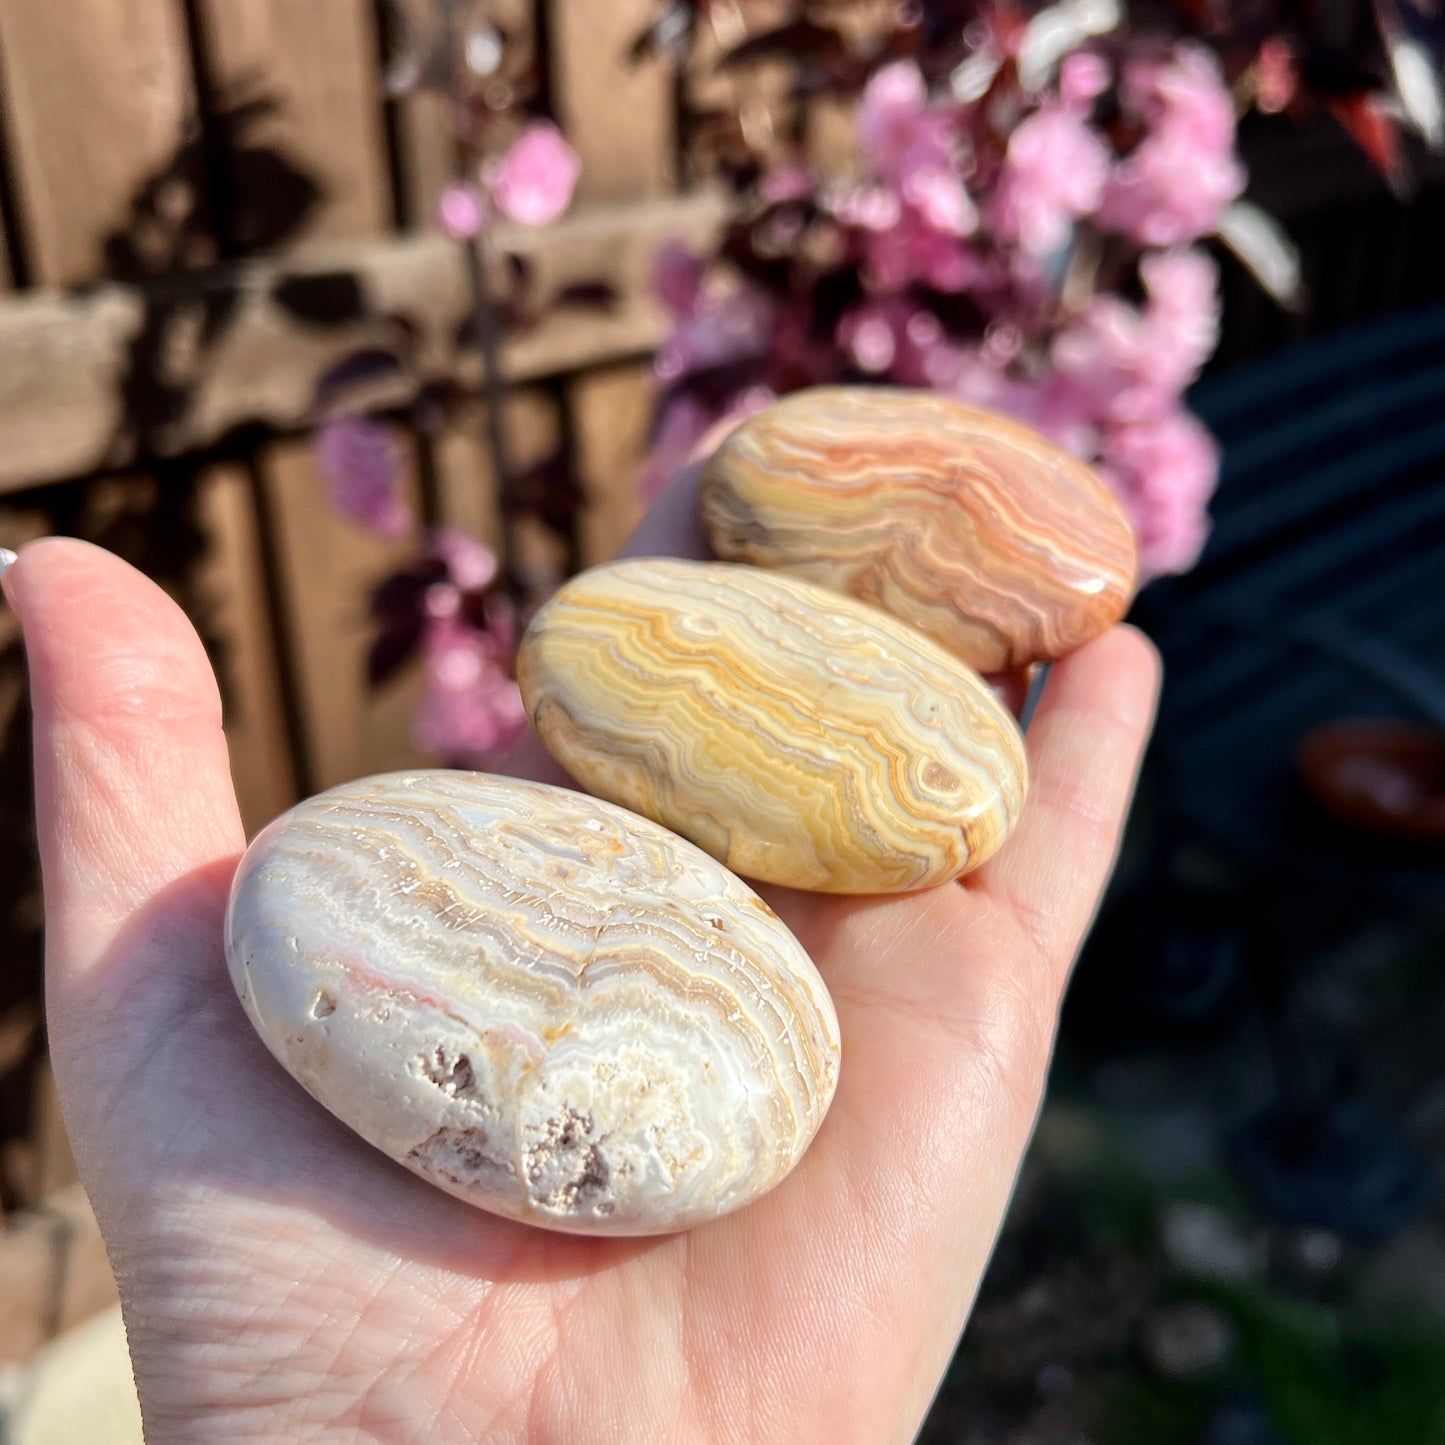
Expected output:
(971, 527)
(544, 1005)
(799, 736)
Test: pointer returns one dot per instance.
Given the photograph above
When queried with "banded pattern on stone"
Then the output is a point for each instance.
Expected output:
(797, 735)
(972, 527)
(543, 1004)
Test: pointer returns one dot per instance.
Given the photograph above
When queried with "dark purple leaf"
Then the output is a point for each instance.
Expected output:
(548, 490)
(594, 295)
(359, 369)
(797, 40)
(398, 599)
(321, 298)
(521, 269)
(715, 386)
(391, 649)
(957, 312)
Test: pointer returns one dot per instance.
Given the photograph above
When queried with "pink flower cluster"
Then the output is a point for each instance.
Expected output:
(532, 184)
(969, 253)
(361, 464)
(1171, 188)
(471, 713)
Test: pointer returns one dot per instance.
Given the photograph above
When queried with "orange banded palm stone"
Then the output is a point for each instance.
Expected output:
(975, 529)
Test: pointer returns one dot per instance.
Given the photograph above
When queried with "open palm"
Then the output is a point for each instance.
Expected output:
(283, 1281)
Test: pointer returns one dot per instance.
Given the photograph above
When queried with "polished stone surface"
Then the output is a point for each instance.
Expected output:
(544, 1005)
(797, 735)
(974, 528)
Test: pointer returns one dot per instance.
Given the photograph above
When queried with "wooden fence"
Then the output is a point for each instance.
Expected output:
(167, 162)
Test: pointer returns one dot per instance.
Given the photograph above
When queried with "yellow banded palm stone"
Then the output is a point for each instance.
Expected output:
(797, 735)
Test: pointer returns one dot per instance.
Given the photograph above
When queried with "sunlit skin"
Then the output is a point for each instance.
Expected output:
(283, 1281)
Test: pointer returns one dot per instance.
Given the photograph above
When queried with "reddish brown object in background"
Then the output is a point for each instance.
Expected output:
(1380, 776)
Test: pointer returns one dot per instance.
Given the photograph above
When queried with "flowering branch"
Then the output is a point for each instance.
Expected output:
(458, 606)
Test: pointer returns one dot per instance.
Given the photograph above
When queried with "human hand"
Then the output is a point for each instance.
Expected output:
(281, 1280)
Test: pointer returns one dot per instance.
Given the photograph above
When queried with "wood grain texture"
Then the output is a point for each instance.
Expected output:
(318, 63)
(970, 526)
(66, 359)
(797, 735)
(328, 566)
(98, 97)
(467, 483)
(234, 583)
(611, 412)
(618, 115)
(544, 1005)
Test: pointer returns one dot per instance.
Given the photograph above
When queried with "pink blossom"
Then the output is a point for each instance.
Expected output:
(677, 277)
(461, 212)
(721, 327)
(471, 565)
(1190, 92)
(912, 250)
(787, 183)
(1134, 364)
(1047, 403)
(1169, 192)
(1054, 172)
(875, 208)
(472, 711)
(1181, 320)
(534, 182)
(1172, 187)
(870, 341)
(1165, 470)
(893, 337)
(873, 332)
(1276, 76)
(898, 132)
(941, 199)
(1083, 77)
(362, 466)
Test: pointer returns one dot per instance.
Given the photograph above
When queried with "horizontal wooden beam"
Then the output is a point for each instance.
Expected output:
(98, 378)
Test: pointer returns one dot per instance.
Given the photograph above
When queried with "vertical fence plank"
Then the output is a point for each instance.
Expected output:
(97, 97)
(317, 62)
(611, 409)
(618, 115)
(234, 584)
(466, 480)
(328, 566)
(55, 1164)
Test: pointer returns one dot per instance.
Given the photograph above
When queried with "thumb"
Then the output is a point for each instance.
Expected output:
(132, 781)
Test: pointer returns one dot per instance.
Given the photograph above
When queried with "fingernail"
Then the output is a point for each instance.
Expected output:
(7, 560)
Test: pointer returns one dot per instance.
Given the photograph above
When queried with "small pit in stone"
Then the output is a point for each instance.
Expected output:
(940, 779)
(323, 1005)
(465, 1157)
(566, 1169)
(451, 1073)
